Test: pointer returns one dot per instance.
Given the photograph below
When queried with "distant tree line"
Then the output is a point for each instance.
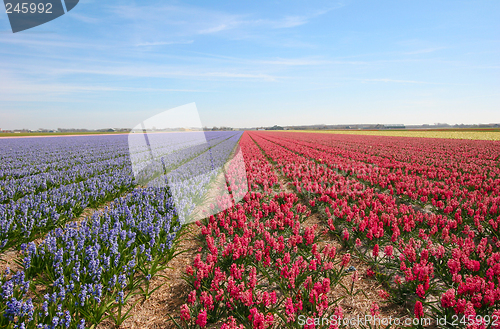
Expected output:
(275, 127)
(218, 129)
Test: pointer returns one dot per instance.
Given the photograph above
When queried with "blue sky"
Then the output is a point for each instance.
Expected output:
(254, 63)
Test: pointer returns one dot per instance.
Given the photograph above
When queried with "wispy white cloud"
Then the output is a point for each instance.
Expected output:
(287, 21)
(84, 18)
(307, 62)
(63, 93)
(181, 20)
(423, 51)
(294, 62)
(304, 61)
(46, 41)
(163, 43)
(18, 88)
(239, 75)
(191, 21)
(149, 71)
(214, 29)
(403, 81)
(486, 67)
(297, 20)
(70, 88)
(291, 21)
(393, 80)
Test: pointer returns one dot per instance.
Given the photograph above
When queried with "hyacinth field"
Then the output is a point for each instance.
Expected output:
(418, 217)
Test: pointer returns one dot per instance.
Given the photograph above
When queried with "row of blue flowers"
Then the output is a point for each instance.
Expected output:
(84, 273)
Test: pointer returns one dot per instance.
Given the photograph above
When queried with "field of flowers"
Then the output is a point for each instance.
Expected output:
(422, 214)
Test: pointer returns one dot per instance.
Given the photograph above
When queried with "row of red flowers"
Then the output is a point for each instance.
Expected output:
(261, 267)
